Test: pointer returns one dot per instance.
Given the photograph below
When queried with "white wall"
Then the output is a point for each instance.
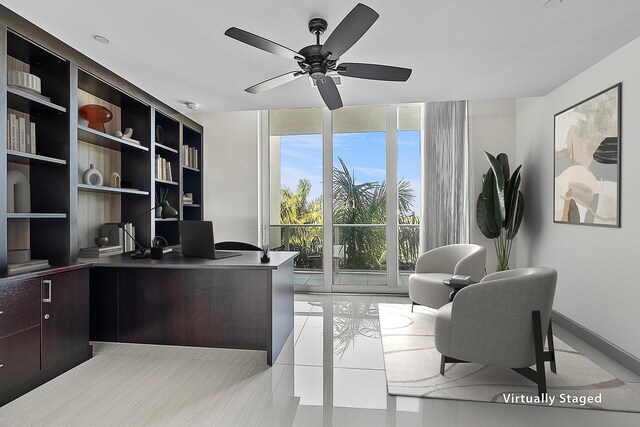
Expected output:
(493, 129)
(598, 267)
(231, 174)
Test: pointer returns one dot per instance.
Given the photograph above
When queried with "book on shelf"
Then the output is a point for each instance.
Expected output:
(459, 279)
(167, 172)
(129, 243)
(13, 132)
(32, 134)
(22, 134)
(189, 156)
(99, 252)
(25, 267)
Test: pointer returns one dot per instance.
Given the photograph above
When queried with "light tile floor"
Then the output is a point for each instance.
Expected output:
(331, 373)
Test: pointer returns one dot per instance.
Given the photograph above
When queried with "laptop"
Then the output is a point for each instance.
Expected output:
(196, 239)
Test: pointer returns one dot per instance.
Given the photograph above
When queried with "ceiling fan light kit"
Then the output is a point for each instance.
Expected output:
(318, 59)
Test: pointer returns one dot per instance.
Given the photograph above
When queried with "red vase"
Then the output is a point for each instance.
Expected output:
(97, 115)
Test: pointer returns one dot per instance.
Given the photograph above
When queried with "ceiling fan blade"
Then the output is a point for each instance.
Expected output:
(374, 72)
(275, 82)
(262, 43)
(349, 31)
(329, 93)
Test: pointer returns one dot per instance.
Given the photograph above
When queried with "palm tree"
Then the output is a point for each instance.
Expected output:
(295, 208)
(365, 247)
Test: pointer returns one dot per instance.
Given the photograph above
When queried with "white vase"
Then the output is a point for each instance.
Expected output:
(92, 176)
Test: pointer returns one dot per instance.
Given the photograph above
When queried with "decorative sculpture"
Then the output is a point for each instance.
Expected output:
(18, 192)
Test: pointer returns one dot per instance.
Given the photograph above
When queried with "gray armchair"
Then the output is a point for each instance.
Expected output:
(436, 265)
(501, 321)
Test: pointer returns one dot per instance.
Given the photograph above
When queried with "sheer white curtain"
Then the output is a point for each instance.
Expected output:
(445, 189)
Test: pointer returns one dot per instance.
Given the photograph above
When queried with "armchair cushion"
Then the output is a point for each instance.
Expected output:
(490, 322)
(443, 329)
(427, 289)
(436, 265)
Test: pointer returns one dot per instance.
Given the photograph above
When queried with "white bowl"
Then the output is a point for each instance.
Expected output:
(23, 80)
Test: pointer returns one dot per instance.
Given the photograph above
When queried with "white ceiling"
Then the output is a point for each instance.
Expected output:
(458, 49)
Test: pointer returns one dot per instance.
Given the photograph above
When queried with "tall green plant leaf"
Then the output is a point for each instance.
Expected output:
(513, 188)
(481, 219)
(516, 218)
(499, 193)
(504, 162)
(488, 203)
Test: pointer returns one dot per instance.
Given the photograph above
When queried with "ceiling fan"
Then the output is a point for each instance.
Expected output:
(318, 59)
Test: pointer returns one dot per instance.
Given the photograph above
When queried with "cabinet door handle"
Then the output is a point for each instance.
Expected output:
(47, 283)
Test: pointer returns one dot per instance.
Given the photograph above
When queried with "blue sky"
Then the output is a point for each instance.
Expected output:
(363, 153)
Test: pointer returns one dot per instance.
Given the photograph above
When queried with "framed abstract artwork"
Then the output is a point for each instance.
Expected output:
(587, 161)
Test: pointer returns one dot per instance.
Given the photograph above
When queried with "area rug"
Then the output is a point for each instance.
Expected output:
(413, 369)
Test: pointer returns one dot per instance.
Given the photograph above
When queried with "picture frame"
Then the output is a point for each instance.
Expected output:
(587, 160)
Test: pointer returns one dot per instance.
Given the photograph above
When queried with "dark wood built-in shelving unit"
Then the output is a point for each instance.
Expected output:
(66, 213)
(44, 322)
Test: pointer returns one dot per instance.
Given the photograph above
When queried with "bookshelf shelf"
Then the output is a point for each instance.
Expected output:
(165, 182)
(166, 148)
(88, 187)
(32, 159)
(31, 215)
(30, 104)
(105, 140)
(190, 169)
(167, 219)
(191, 205)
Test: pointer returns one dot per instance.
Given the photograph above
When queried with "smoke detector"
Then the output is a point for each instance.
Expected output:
(193, 106)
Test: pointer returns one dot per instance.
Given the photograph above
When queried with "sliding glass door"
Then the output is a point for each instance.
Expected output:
(347, 157)
(295, 156)
(359, 196)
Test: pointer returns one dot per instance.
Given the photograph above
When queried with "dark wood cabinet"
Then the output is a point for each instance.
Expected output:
(151, 306)
(44, 328)
(19, 306)
(19, 363)
(65, 316)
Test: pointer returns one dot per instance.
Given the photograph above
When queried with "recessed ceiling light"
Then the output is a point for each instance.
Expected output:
(552, 3)
(101, 39)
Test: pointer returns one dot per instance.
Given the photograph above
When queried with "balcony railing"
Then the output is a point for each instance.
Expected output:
(356, 247)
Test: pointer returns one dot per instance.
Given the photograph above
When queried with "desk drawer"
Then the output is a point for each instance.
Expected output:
(19, 306)
(19, 361)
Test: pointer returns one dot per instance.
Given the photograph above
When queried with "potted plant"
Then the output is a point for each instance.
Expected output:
(500, 206)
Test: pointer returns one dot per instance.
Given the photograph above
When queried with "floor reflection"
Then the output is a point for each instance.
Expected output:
(339, 376)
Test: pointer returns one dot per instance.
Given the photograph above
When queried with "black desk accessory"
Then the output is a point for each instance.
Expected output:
(141, 252)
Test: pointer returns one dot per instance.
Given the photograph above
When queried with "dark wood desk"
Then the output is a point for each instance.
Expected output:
(231, 303)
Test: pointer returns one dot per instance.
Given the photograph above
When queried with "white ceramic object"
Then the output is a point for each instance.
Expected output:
(24, 80)
(18, 192)
(92, 176)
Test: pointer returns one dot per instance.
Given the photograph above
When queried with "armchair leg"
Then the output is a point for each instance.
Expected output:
(539, 349)
(412, 305)
(446, 359)
(538, 376)
(552, 351)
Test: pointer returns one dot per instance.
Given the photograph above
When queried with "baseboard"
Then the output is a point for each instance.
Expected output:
(611, 350)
